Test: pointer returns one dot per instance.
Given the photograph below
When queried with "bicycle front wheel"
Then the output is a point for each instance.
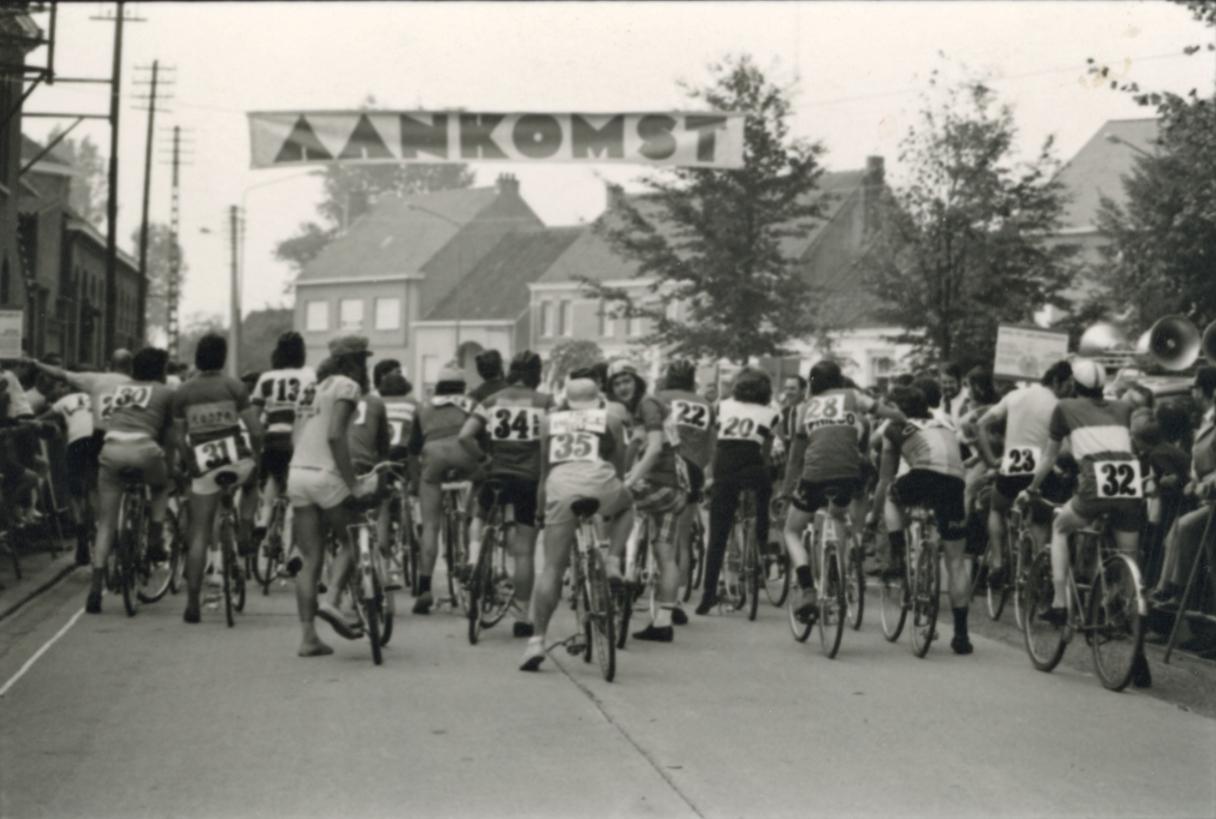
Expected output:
(1023, 553)
(1045, 642)
(775, 565)
(855, 588)
(926, 597)
(751, 571)
(833, 607)
(893, 607)
(372, 624)
(1114, 621)
(599, 615)
(478, 590)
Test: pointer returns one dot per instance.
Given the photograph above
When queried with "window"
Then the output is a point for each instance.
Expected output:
(607, 325)
(636, 326)
(316, 318)
(388, 314)
(564, 325)
(350, 314)
(546, 318)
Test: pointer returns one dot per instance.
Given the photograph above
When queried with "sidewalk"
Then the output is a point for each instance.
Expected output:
(39, 571)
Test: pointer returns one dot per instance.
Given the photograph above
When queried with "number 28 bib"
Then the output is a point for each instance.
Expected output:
(1118, 480)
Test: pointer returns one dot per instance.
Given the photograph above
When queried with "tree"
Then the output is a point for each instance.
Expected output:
(193, 329)
(350, 188)
(711, 240)
(160, 253)
(87, 192)
(260, 330)
(569, 356)
(960, 247)
(1162, 255)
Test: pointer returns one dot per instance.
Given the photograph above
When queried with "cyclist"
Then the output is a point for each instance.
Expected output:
(139, 436)
(582, 456)
(512, 419)
(275, 396)
(369, 438)
(76, 410)
(693, 419)
(489, 367)
(1026, 414)
(208, 411)
(320, 481)
(1110, 480)
(659, 486)
(435, 438)
(934, 480)
(746, 426)
(384, 367)
(826, 463)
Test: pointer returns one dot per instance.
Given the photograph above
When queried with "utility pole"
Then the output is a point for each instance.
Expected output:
(175, 261)
(234, 317)
(142, 298)
(110, 325)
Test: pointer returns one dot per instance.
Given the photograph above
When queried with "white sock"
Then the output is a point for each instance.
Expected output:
(662, 618)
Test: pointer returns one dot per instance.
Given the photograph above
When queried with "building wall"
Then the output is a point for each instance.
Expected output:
(436, 344)
(12, 292)
(85, 263)
(376, 322)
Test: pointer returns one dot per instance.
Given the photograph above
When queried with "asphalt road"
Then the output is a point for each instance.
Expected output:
(150, 717)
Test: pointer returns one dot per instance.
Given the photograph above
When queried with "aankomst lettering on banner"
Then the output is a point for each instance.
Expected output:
(704, 140)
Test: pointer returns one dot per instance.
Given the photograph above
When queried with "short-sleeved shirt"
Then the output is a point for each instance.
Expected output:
(486, 389)
(100, 387)
(928, 445)
(276, 394)
(1099, 434)
(742, 429)
(693, 419)
(833, 425)
(143, 407)
(512, 418)
(1027, 415)
(77, 412)
(211, 404)
(1203, 451)
(582, 444)
(401, 411)
(652, 415)
(314, 411)
(439, 418)
(368, 436)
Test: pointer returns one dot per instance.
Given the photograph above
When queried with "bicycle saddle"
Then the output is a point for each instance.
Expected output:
(585, 507)
(226, 479)
(131, 475)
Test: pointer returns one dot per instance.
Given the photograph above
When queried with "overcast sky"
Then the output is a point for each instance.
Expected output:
(860, 67)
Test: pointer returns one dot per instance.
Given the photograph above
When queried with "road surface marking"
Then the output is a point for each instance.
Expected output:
(45, 647)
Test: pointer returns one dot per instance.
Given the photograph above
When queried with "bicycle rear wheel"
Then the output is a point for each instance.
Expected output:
(1023, 555)
(599, 615)
(155, 577)
(833, 607)
(479, 589)
(855, 587)
(926, 597)
(372, 622)
(1045, 643)
(733, 592)
(696, 556)
(800, 627)
(128, 549)
(775, 565)
(455, 554)
(751, 571)
(1114, 621)
(893, 606)
(500, 590)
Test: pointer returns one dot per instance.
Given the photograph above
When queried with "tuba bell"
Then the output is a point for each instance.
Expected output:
(1208, 343)
(1174, 342)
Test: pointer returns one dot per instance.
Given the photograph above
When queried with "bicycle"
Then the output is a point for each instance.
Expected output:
(775, 563)
(1102, 602)
(640, 578)
(233, 579)
(454, 531)
(919, 589)
(696, 555)
(404, 534)
(491, 589)
(265, 564)
(822, 543)
(743, 560)
(590, 593)
(374, 605)
(1022, 547)
(139, 578)
(854, 576)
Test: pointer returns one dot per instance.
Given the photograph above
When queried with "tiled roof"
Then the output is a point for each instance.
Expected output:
(399, 234)
(1097, 170)
(497, 287)
(55, 158)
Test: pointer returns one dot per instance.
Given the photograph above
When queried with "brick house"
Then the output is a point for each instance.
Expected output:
(19, 35)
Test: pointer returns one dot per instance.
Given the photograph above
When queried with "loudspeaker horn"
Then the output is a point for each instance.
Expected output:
(1174, 342)
(1209, 343)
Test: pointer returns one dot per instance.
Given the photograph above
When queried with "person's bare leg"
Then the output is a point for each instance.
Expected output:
(202, 522)
(310, 540)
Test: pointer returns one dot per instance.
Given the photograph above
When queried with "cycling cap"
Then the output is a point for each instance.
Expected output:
(450, 373)
(582, 393)
(619, 366)
(1088, 373)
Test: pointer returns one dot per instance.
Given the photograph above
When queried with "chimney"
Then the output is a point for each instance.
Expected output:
(872, 185)
(613, 193)
(508, 185)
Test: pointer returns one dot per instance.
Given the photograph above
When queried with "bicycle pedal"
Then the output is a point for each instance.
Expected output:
(575, 648)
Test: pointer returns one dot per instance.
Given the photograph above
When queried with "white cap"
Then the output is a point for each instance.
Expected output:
(1088, 373)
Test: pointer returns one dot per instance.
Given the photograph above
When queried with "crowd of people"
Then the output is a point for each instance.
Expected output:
(956, 444)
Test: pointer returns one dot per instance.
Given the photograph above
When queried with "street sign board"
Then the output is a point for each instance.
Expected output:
(11, 324)
(1025, 353)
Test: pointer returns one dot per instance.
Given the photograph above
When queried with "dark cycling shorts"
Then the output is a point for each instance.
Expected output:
(275, 464)
(80, 458)
(520, 493)
(696, 482)
(1124, 514)
(811, 496)
(1008, 487)
(944, 494)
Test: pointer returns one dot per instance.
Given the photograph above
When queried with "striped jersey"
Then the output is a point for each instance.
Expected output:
(1099, 435)
(833, 424)
(692, 418)
(928, 444)
(276, 395)
(512, 418)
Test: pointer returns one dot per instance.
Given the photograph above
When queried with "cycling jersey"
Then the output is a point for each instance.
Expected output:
(368, 435)
(19, 405)
(487, 389)
(314, 411)
(141, 408)
(435, 436)
(581, 446)
(693, 420)
(401, 411)
(210, 404)
(276, 394)
(928, 445)
(100, 387)
(1098, 434)
(1027, 415)
(77, 411)
(742, 430)
(653, 415)
(512, 418)
(833, 424)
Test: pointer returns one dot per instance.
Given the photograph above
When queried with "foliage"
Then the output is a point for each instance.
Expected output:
(260, 329)
(160, 251)
(960, 249)
(711, 240)
(87, 192)
(569, 356)
(348, 191)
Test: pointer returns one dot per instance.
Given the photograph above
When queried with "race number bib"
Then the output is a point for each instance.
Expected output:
(282, 390)
(1118, 480)
(396, 431)
(106, 405)
(825, 410)
(361, 414)
(690, 414)
(738, 428)
(515, 423)
(569, 447)
(130, 396)
(217, 454)
(1022, 460)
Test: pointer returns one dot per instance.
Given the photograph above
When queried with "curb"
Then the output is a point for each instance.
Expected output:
(59, 574)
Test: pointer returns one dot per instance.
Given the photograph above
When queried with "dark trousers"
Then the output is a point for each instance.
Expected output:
(722, 505)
